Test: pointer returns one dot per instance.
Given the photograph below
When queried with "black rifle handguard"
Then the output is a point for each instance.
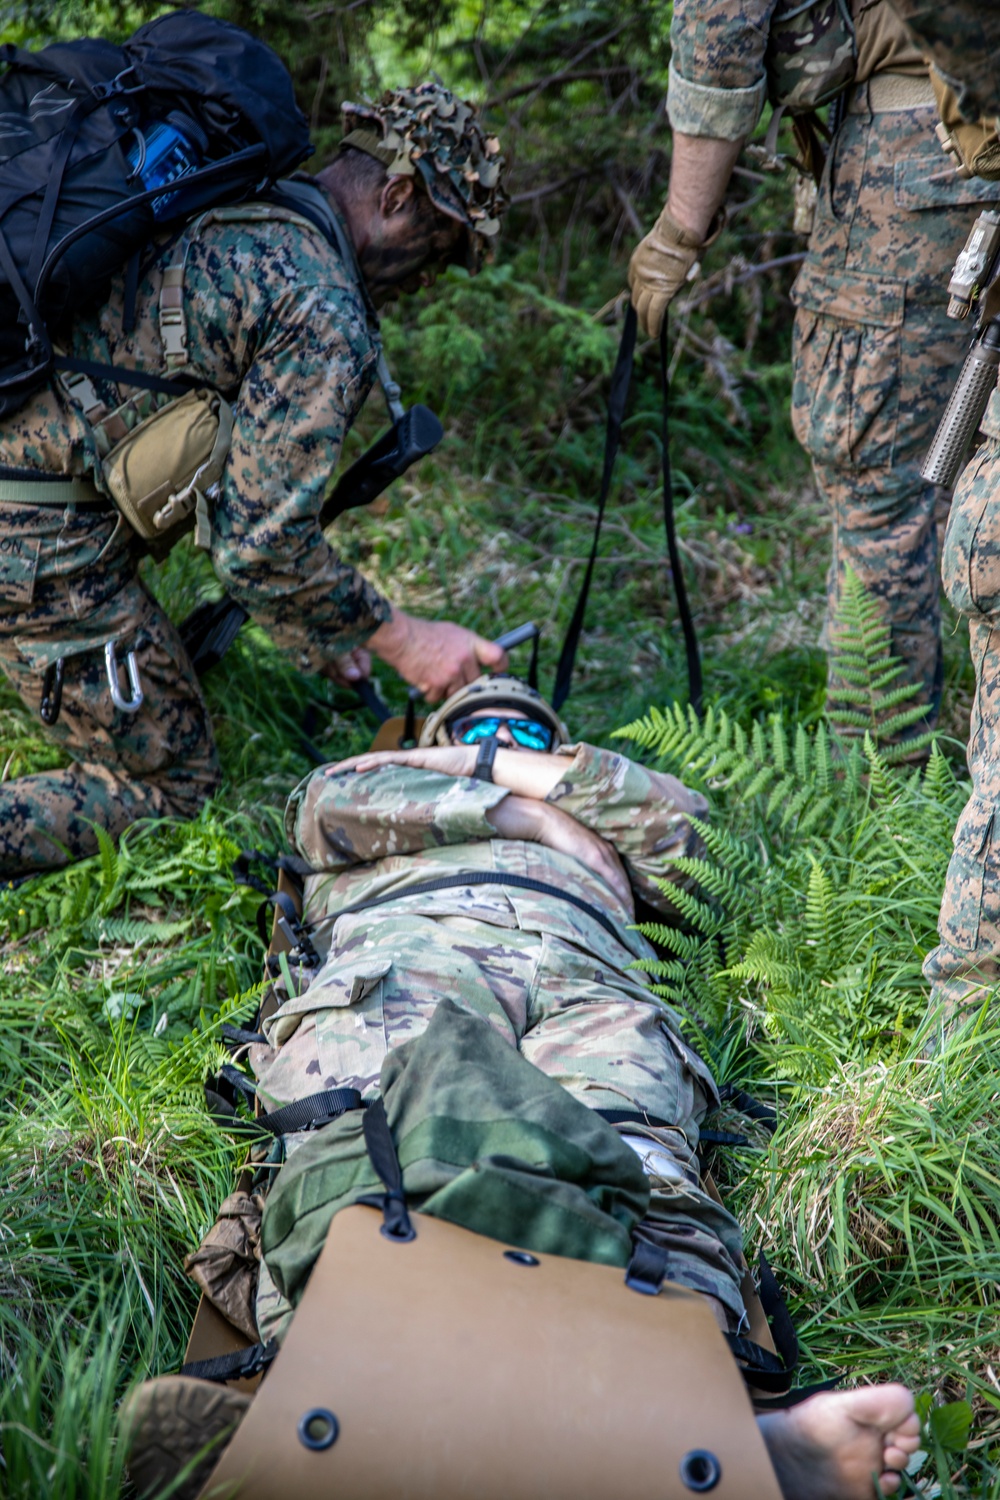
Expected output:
(416, 434)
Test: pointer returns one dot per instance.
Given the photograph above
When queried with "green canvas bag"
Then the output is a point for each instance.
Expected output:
(484, 1139)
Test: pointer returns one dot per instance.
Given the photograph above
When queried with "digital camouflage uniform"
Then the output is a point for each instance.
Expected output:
(875, 355)
(275, 322)
(966, 962)
(964, 36)
(541, 972)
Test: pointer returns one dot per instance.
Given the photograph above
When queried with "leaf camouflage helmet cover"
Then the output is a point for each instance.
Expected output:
(427, 130)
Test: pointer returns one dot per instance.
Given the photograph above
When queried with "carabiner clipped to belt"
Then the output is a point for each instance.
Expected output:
(52, 687)
(125, 705)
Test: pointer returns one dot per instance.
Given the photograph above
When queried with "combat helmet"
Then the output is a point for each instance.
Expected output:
(503, 690)
(426, 130)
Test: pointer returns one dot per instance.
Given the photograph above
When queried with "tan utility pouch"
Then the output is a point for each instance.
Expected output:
(973, 146)
(448, 1368)
(162, 473)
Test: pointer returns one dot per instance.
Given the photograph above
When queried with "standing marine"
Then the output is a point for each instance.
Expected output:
(255, 303)
(874, 353)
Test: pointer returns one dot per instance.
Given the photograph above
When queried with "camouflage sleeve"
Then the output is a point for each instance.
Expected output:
(717, 85)
(645, 814)
(349, 819)
(312, 367)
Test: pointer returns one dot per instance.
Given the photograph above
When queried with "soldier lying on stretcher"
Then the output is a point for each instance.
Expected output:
(538, 850)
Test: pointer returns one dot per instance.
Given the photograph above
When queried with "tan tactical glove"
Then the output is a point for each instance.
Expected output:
(975, 147)
(660, 265)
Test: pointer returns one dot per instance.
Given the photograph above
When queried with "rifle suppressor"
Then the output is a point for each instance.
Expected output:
(947, 454)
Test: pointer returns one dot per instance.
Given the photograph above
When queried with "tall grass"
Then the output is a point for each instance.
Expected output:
(878, 1197)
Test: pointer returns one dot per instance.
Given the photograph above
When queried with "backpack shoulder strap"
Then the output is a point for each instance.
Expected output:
(295, 201)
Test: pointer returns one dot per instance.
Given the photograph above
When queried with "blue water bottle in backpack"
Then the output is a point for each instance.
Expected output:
(162, 154)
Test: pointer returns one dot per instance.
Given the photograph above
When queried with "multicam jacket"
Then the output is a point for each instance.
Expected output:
(385, 831)
(277, 324)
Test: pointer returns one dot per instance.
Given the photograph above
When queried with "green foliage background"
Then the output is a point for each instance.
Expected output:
(798, 969)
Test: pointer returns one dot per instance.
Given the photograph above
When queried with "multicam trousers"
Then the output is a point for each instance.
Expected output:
(596, 1031)
(875, 358)
(965, 966)
(68, 585)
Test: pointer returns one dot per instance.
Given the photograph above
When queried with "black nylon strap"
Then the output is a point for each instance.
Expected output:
(677, 572)
(776, 1308)
(617, 400)
(762, 1369)
(633, 1117)
(33, 318)
(308, 1113)
(483, 769)
(749, 1106)
(621, 379)
(121, 376)
(242, 1364)
(57, 171)
(647, 1268)
(481, 877)
(758, 1366)
(238, 1036)
(382, 1152)
(290, 926)
(721, 1138)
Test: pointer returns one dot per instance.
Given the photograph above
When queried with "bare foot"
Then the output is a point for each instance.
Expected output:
(836, 1445)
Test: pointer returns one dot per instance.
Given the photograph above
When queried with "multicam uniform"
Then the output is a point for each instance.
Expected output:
(874, 352)
(544, 974)
(275, 321)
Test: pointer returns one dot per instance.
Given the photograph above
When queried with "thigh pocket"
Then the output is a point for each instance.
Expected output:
(333, 1036)
(970, 562)
(847, 351)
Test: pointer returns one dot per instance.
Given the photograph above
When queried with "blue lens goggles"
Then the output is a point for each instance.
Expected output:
(526, 732)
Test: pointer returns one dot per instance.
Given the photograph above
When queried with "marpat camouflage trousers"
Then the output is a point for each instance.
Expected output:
(966, 962)
(875, 359)
(68, 585)
(597, 1032)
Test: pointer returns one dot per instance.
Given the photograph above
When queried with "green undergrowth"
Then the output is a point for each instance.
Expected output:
(798, 968)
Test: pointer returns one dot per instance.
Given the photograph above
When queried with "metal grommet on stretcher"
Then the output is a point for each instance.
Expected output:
(318, 1429)
(124, 705)
(700, 1471)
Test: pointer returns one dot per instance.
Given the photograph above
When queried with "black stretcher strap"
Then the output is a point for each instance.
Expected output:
(634, 1117)
(311, 1112)
(242, 1364)
(396, 1223)
(617, 401)
(771, 1373)
(721, 1138)
(749, 1106)
(647, 1268)
(302, 1114)
(238, 1036)
(482, 877)
(621, 379)
(673, 552)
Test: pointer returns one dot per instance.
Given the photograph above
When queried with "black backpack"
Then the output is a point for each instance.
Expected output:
(102, 147)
